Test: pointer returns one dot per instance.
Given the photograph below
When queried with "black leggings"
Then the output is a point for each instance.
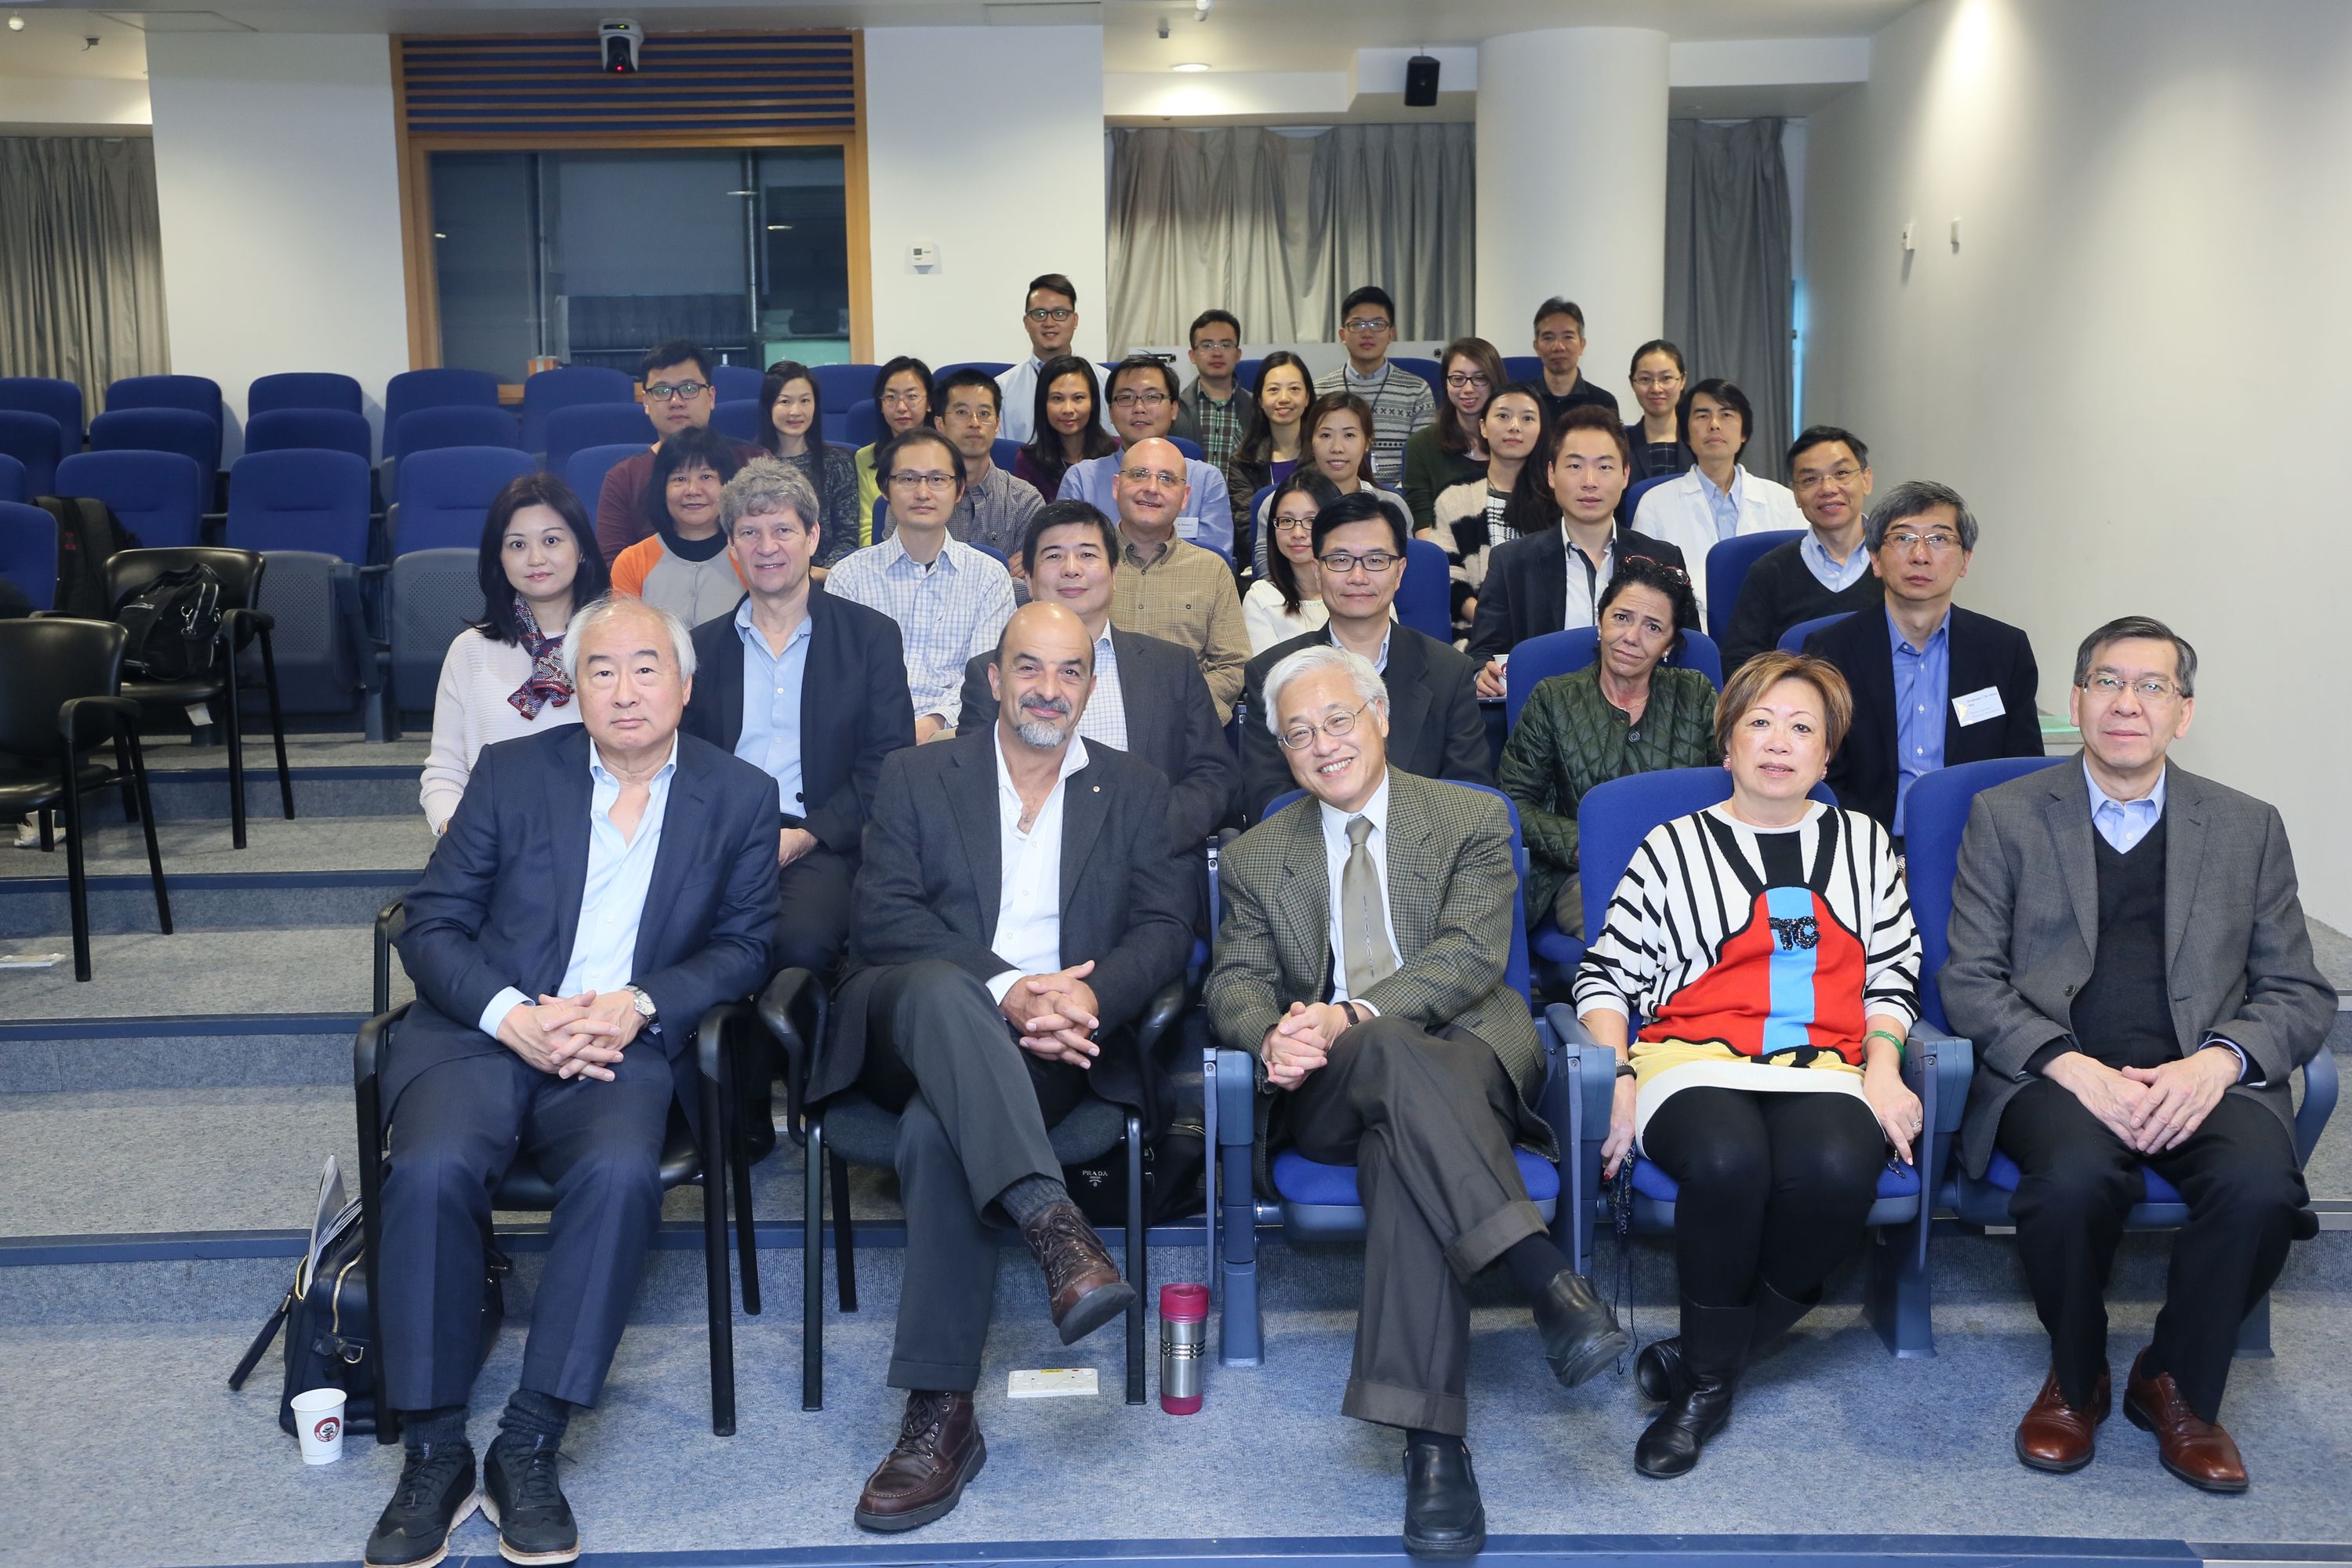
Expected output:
(1775, 1188)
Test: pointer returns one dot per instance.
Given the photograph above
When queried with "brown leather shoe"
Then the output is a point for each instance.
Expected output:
(922, 1477)
(2054, 1435)
(1082, 1285)
(2192, 1447)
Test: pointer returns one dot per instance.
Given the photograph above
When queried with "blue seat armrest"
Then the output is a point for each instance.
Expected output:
(1578, 1095)
(1937, 1066)
(2319, 1080)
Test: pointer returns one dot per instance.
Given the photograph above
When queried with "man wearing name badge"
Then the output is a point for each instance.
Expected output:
(1049, 314)
(1434, 727)
(1167, 586)
(1141, 683)
(624, 874)
(1144, 406)
(1400, 401)
(1822, 573)
(2130, 958)
(1934, 685)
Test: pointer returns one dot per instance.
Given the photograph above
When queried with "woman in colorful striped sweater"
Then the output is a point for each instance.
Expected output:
(1768, 945)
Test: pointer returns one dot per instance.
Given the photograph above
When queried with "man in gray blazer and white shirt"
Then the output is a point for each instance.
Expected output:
(2129, 957)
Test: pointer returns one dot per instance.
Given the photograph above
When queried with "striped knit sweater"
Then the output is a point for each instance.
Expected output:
(1683, 899)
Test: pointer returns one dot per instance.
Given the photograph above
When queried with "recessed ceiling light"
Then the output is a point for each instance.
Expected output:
(1190, 65)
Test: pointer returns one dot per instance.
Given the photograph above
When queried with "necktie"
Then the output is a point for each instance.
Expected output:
(1363, 914)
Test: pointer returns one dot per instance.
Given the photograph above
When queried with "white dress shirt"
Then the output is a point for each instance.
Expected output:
(1334, 855)
(1029, 887)
(613, 896)
(1104, 719)
(1017, 392)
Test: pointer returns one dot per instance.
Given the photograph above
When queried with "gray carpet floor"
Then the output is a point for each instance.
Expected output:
(143, 974)
(311, 750)
(272, 844)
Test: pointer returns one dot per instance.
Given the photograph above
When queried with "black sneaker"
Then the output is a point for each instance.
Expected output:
(520, 1497)
(435, 1495)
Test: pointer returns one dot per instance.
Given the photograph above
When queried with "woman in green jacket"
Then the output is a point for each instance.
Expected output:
(1621, 714)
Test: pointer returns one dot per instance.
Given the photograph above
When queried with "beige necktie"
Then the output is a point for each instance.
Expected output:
(1363, 914)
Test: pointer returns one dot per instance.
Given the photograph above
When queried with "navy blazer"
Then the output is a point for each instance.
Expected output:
(1984, 652)
(499, 903)
(1526, 591)
(856, 709)
(1158, 680)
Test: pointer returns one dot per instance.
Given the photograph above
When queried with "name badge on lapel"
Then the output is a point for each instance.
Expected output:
(1978, 705)
(1188, 529)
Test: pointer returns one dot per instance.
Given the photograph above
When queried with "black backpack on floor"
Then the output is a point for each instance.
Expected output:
(174, 624)
(87, 533)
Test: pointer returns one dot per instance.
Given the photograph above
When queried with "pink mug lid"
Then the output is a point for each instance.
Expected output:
(1184, 1303)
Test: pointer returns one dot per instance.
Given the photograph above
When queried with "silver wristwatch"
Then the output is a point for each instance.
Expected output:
(645, 1003)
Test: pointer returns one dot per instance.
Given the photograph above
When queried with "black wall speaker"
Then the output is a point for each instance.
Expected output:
(1421, 82)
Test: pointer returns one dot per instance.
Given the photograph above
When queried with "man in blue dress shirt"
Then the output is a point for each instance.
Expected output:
(1143, 398)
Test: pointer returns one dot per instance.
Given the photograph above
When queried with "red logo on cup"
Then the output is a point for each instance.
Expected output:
(328, 1428)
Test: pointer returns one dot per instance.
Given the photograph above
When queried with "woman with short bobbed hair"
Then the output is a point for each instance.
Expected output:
(1767, 943)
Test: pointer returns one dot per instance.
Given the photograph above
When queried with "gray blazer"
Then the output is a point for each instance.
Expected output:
(2025, 929)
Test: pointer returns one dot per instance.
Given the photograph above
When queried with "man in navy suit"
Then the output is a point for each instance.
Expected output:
(600, 886)
(808, 687)
(1934, 685)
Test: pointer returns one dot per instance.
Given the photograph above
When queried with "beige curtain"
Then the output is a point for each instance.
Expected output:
(1276, 229)
(82, 265)
(1727, 285)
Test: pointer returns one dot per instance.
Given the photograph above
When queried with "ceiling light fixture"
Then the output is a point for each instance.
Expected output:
(15, 24)
(1190, 65)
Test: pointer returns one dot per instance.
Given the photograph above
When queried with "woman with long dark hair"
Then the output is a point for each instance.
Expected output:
(1286, 601)
(1450, 450)
(1336, 441)
(1067, 424)
(503, 676)
(791, 428)
(1480, 514)
(1270, 447)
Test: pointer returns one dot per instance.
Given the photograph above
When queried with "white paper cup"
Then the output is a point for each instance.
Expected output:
(319, 1419)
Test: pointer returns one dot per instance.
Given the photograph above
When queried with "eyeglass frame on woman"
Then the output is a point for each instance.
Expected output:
(1339, 726)
(1673, 574)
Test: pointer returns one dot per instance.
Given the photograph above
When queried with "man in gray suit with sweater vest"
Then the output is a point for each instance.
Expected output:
(2129, 956)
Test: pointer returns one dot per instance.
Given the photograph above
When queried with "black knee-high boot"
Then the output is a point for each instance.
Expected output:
(1658, 1370)
(1714, 1347)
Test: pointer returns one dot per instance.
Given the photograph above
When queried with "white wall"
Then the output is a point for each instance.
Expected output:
(278, 192)
(2112, 367)
(44, 103)
(988, 144)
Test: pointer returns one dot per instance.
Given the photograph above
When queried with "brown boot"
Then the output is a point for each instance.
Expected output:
(2195, 1449)
(1082, 1285)
(2054, 1435)
(923, 1475)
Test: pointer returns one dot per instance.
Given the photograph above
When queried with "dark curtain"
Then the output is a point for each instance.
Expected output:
(82, 265)
(1276, 229)
(1728, 283)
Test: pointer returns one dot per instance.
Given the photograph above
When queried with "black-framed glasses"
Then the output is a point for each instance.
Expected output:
(1301, 735)
(663, 391)
(1461, 379)
(1367, 324)
(1346, 561)
(1049, 313)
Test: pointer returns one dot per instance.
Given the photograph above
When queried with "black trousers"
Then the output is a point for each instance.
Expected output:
(1775, 1188)
(973, 1109)
(1427, 1120)
(454, 1133)
(814, 924)
(2078, 1179)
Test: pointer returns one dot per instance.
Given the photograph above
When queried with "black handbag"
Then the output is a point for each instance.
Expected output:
(1173, 1172)
(330, 1330)
(173, 623)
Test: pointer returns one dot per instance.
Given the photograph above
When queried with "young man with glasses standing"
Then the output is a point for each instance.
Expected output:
(676, 377)
(1826, 571)
(950, 600)
(1049, 314)
(1143, 398)
(2130, 959)
(1434, 727)
(1560, 343)
(1214, 410)
(1402, 402)
(1934, 685)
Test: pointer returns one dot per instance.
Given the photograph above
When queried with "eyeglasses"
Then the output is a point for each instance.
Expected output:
(1294, 525)
(904, 399)
(1844, 474)
(1301, 735)
(1464, 378)
(1215, 346)
(1346, 561)
(923, 481)
(1050, 313)
(1367, 324)
(1160, 475)
(663, 391)
(1138, 399)
(1670, 574)
(1936, 543)
(2151, 687)
(1657, 382)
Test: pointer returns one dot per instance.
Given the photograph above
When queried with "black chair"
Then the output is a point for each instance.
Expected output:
(60, 699)
(850, 1127)
(242, 625)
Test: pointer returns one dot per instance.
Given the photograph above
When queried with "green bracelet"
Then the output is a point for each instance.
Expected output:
(1889, 1035)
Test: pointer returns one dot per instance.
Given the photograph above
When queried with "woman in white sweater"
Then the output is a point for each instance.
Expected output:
(1287, 601)
(504, 675)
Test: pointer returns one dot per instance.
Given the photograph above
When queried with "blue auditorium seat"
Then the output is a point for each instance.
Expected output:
(1522, 367)
(195, 394)
(1638, 489)
(1793, 639)
(1004, 454)
(839, 387)
(458, 424)
(567, 386)
(191, 435)
(28, 551)
(736, 419)
(585, 425)
(436, 388)
(158, 495)
(1427, 369)
(861, 425)
(320, 429)
(60, 400)
(445, 494)
(734, 382)
(300, 499)
(586, 470)
(1425, 598)
(991, 368)
(35, 441)
(302, 389)
(1539, 658)
(1190, 448)
(1726, 566)
(15, 485)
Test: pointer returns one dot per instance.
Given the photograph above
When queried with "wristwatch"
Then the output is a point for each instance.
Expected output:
(645, 1003)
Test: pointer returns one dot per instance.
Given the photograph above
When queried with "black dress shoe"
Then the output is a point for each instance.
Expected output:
(435, 1495)
(1714, 1347)
(520, 1497)
(923, 1475)
(1443, 1515)
(1083, 1290)
(1581, 1335)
